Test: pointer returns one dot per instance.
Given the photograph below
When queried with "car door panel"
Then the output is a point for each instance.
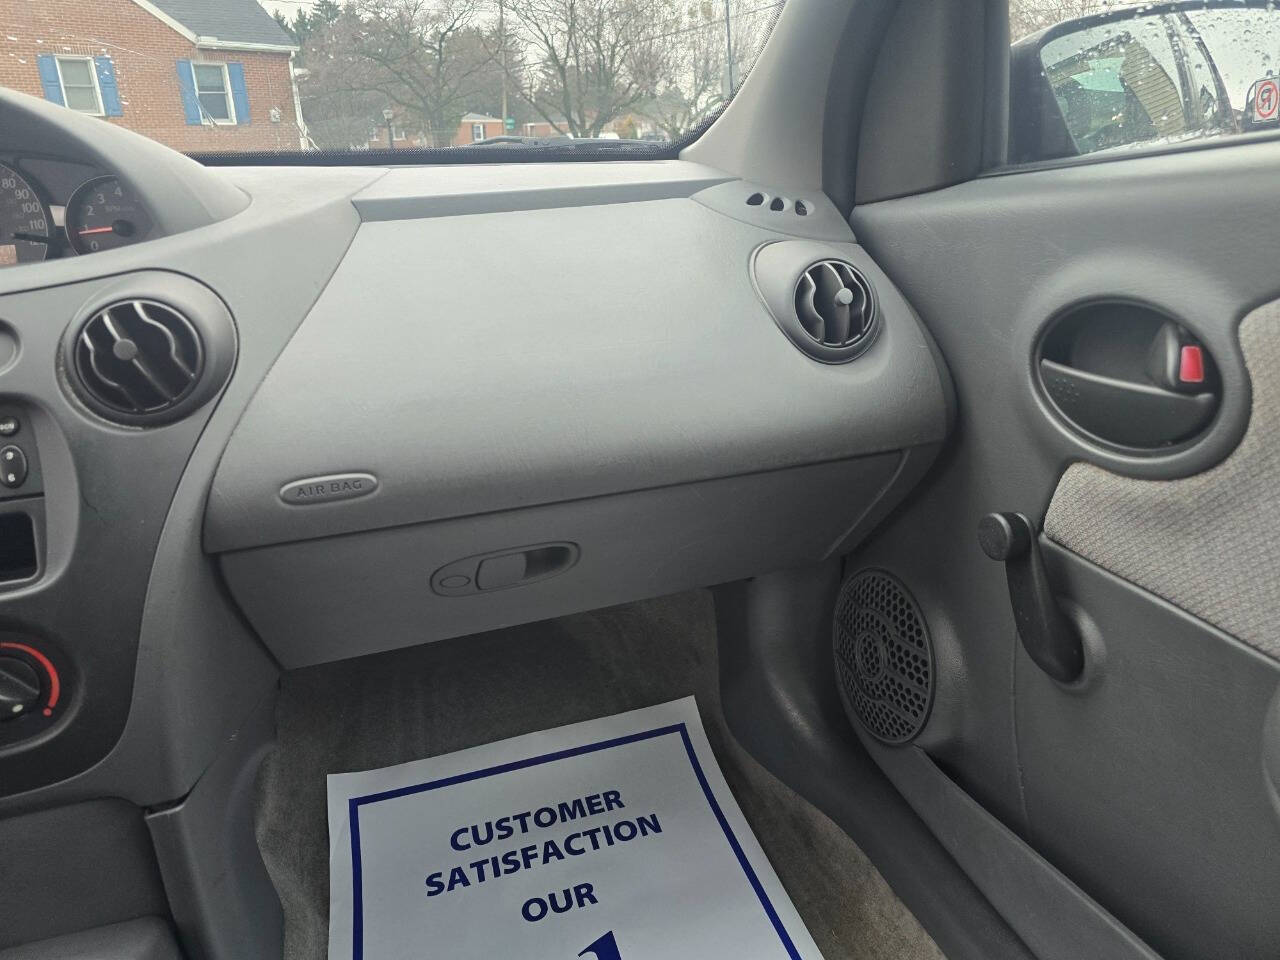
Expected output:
(1144, 781)
(1146, 784)
(1048, 911)
(1205, 542)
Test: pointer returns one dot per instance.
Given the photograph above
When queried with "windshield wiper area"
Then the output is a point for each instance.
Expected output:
(509, 148)
(559, 143)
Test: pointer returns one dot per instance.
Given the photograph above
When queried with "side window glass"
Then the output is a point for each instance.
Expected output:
(1154, 75)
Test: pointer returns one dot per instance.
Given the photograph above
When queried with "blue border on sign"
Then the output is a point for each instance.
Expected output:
(355, 803)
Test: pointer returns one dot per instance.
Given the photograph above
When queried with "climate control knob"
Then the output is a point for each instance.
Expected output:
(19, 687)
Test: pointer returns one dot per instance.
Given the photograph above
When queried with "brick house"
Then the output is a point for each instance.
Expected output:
(479, 126)
(472, 128)
(193, 74)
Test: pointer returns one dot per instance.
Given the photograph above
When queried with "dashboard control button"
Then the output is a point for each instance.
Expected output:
(13, 466)
(19, 687)
(9, 426)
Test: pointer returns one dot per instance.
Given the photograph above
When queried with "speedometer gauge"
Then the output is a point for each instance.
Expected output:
(104, 214)
(25, 226)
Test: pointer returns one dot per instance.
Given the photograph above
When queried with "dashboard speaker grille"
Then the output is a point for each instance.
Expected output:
(138, 357)
(834, 304)
(883, 656)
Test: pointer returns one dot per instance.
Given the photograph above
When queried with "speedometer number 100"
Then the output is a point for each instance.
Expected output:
(24, 221)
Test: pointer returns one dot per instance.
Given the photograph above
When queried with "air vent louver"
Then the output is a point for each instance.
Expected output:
(835, 305)
(825, 305)
(140, 358)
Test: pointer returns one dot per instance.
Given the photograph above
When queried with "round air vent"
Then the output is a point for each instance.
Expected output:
(883, 656)
(152, 356)
(835, 305)
(139, 357)
(817, 296)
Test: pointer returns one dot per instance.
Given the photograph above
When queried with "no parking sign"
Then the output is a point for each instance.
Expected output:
(1264, 102)
(615, 839)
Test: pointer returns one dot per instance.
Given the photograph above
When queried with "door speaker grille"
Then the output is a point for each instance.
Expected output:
(883, 656)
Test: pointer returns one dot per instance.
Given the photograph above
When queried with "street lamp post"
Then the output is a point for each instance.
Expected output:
(387, 114)
(728, 49)
(502, 39)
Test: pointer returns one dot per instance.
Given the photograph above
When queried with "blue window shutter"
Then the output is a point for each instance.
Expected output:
(239, 95)
(187, 86)
(107, 86)
(49, 79)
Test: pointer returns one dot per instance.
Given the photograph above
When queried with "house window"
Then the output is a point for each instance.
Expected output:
(79, 82)
(477, 131)
(213, 90)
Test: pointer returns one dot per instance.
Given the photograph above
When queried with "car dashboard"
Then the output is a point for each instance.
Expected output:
(331, 411)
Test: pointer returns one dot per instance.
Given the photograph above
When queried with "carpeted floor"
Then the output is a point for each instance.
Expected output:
(441, 697)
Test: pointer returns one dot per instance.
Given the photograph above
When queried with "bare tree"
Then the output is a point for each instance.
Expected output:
(581, 65)
(1028, 16)
(338, 119)
(702, 48)
(591, 61)
(425, 59)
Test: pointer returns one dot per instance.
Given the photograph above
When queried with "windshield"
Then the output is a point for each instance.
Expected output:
(324, 76)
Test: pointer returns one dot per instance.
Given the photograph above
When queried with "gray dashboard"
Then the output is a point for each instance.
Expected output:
(564, 385)
(592, 373)
(490, 362)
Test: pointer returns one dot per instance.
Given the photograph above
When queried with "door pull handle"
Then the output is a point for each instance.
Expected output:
(1048, 637)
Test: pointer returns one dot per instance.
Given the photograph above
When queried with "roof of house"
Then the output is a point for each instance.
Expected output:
(224, 21)
(480, 118)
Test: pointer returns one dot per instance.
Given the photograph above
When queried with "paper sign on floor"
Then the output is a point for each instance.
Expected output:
(614, 839)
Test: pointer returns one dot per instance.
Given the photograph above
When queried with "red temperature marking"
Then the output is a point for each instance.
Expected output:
(55, 685)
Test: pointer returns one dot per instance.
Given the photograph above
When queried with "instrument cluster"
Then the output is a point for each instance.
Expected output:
(51, 208)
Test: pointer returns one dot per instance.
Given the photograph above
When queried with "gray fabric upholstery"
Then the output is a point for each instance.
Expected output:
(146, 938)
(1209, 543)
(440, 697)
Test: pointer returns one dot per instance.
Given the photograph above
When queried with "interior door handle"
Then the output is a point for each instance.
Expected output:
(1123, 412)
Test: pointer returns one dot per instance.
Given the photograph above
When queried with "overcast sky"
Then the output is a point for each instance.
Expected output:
(287, 7)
